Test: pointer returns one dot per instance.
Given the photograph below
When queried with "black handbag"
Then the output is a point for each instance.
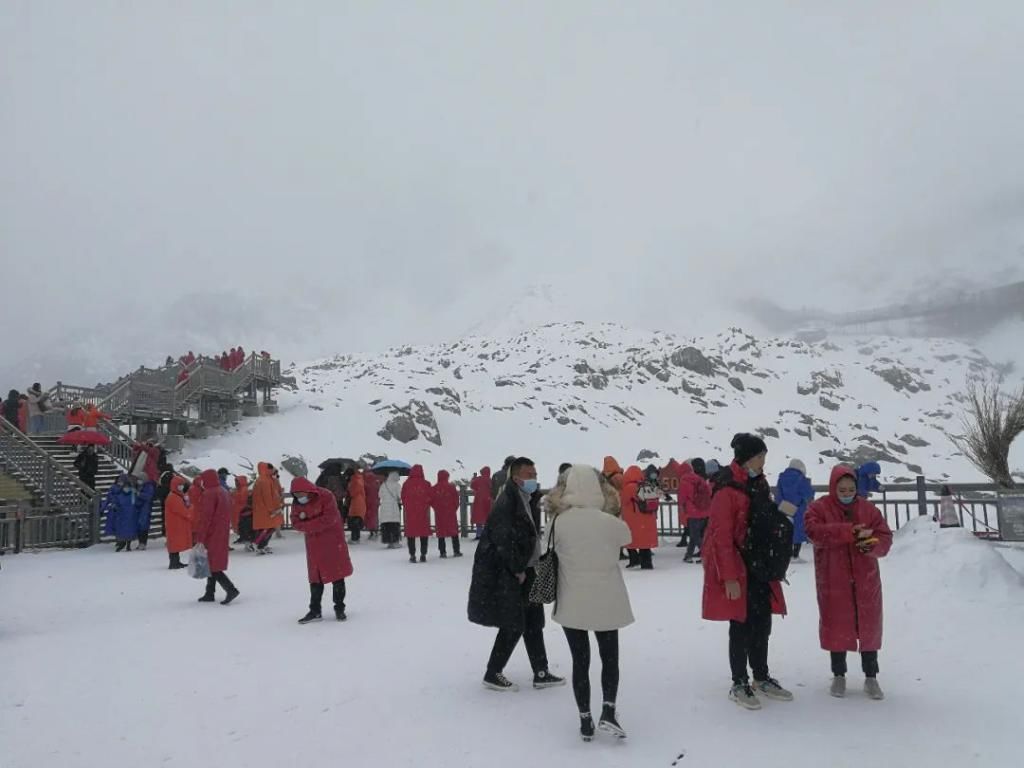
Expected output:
(544, 589)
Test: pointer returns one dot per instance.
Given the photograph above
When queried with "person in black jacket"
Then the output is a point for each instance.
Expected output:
(88, 464)
(500, 478)
(503, 570)
(11, 406)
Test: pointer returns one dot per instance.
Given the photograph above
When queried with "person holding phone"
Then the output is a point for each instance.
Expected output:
(849, 535)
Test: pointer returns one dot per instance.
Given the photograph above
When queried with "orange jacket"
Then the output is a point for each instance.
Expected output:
(643, 525)
(179, 518)
(357, 496)
(93, 416)
(612, 472)
(267, 499)
(240, 499)
(76, 417)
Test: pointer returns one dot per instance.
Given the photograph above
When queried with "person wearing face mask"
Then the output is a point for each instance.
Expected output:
(327, 559)
(639, 498)
(390, 513)
(849, 535)
(503, 572)
(732, 591)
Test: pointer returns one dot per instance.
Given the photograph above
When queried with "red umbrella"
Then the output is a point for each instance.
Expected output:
(84, 437)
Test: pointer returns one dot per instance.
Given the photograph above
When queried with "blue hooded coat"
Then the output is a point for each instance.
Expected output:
(794, 487)
(122, 516)
(867, 485)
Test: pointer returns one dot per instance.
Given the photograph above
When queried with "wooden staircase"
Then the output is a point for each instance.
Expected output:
(109, 469)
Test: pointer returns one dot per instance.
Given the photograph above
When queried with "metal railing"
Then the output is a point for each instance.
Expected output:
(43, 528)
(56, 486)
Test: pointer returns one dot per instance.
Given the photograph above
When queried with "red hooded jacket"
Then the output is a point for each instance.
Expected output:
(416, 496)
(693, 489)
(723, 542)
(327, 558)
(444, 499)
(214, 526)
(481, 487)
(848, 580)
(371, 486)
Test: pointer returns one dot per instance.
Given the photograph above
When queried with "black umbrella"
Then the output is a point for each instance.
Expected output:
(342, 465)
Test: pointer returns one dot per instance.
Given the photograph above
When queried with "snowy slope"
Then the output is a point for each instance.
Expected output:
(118, 666)
(575, 392)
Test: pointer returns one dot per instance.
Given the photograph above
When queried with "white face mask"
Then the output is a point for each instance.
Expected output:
(302, 500)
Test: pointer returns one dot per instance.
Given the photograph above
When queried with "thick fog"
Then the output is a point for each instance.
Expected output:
(319, 177)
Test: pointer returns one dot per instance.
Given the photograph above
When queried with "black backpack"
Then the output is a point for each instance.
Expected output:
(769, 545)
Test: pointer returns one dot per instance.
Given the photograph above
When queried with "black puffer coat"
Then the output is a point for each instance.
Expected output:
(508, 541)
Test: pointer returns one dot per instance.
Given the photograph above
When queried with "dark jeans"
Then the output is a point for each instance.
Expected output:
(748, 640)
(696, 526)
(316, 594)
(533, 637)
(868, 662)
(218, 578)
(390, 533)
(796, 550)
(444, 550)
(355, 525)
(412, 546)
(579, 647)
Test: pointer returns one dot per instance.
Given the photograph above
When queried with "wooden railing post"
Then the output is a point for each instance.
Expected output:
(463, 511)
(922, 496)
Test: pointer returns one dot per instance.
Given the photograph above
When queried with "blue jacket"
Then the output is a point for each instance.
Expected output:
(794, 487)
(144, 504)
(867, 485)
(122, 517)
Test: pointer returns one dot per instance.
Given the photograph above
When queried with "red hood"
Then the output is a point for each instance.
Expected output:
(739, 474)
(634, 475)
(210, 479)
(177, 484)
(241, 482)
(684, 470)
(303, 485)
(486, 472)
(263, 469)
(416, 473)
(442, 477)
(839, 471)
(610, 467)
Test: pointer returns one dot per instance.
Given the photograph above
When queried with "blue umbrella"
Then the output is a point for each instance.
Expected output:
(391, 465)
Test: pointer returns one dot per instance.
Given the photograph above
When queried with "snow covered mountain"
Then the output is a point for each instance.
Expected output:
(576, 392)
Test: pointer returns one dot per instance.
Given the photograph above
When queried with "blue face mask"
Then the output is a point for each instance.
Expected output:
(847, 499)
(530, 486)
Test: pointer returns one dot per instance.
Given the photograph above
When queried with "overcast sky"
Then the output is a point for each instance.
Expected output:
(329, 176)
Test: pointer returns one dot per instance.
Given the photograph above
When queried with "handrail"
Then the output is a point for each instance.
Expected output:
(121, 445)
(40, 471)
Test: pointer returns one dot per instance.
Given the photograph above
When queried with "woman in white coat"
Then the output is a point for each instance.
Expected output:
(390, 512)
(586, 534)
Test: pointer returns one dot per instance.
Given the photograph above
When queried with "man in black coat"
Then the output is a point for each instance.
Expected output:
(502, 575)
(88, 464)
(500, 478)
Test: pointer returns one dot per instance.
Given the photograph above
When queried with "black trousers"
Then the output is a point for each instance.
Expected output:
(175, 558)
(695, 526)
(143, 537)
(748, 640)
(218, 578)
(533, 637)
(423, 546)
(796, 550)
(456, 547)
(608, 648)
(316, 594)
(390, 533)
(124, 545)
(868, 662)
(355, 526)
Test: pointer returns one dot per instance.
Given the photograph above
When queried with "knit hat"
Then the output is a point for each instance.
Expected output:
(746, 446)
(799, 465)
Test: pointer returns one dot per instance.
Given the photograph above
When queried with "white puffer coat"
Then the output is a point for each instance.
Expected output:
(390, 494)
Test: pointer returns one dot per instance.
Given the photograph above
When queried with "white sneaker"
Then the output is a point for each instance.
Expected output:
(773, 690)
(744, 696)
(838, 688)
(873, 689)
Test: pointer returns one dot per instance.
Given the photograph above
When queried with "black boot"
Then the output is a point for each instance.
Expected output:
(176, 563)
(208, 595)
(225, 582)
(316, 592)
(646, 560)
(339, 600)
(586, 726)
(634, 559)
(456, 547)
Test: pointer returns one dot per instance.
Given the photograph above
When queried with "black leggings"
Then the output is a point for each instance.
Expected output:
(412, 546)
(444, 549)
(748, 640)
(579, 647)
(868, 662)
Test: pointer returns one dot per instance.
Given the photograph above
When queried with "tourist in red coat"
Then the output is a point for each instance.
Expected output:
(416, 496)
(214, 532)
(695, 507)
(481, 509)
(316, 515)
(849, 535)
(371, 486)
(445, 501)
(729, 592)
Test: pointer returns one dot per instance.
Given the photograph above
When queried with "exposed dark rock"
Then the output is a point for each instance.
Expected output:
(768, 432)
(694, 360)
(507, 383)
(737, 383)
(896, 448)
(646, 455)
(691, 389)
(914, 468)
(400, 427)
(826, 403)
(914, 441)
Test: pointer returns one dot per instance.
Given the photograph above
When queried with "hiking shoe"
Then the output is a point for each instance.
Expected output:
(873, 689)
(545, 679)
(498, 682)
(586, 726)
(231, 597)
(609, 723)
(207, 599)
(444, 555)
(773, 690)
(310, 617)
(339, 614)
(423, 558)
(458, 554)
(743, 694)
(412, 558)
(838, 688)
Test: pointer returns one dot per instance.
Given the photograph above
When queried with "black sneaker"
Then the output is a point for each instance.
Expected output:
(423, 558)
(412, 558)
(230, 598)
(339, 614)
(310, 618)
(176, 566)
(498, 682)
(609, 723)
(688, 559)
(545, 679)
(207, 599)
(586, 727)
(444, 555)
(458, 554)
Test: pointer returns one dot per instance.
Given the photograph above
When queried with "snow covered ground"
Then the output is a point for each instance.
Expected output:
(108, 660)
